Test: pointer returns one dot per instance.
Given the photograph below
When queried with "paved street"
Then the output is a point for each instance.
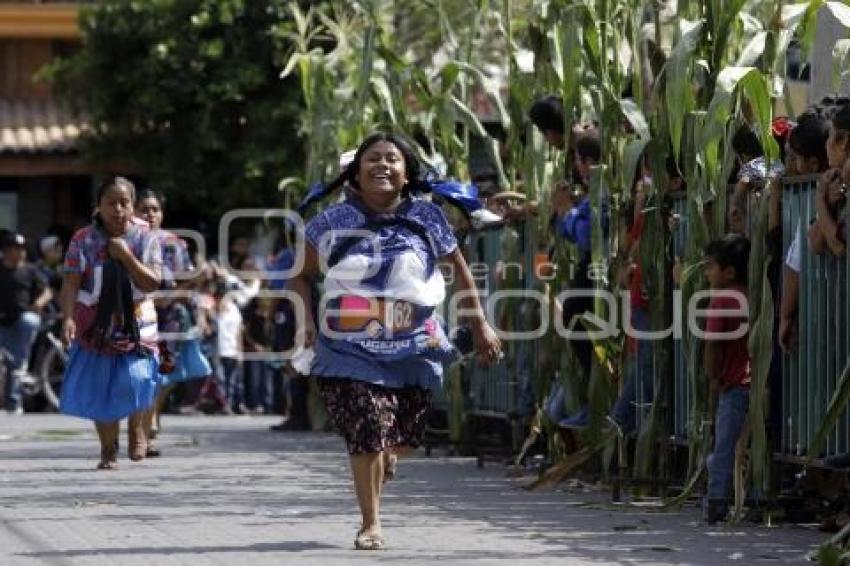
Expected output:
(228, 491)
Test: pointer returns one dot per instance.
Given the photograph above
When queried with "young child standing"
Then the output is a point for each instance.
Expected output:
(109, 320)
(727, 362)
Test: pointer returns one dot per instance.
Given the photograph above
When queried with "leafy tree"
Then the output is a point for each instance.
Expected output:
(186, 94)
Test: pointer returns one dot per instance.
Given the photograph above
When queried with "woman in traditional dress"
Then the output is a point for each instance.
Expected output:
(380, 350)
(110, 322)
(174, 312)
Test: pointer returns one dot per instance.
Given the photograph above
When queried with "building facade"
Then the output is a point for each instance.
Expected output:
(45, 186)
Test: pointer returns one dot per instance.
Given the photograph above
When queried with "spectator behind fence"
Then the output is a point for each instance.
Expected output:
(637, 387)
(753, 173)
(807, 143)
(573, 221)
(727, 364)
(23, 295)
(547, 113)
(828, 229)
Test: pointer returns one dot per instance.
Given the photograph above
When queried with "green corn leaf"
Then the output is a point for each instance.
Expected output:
(592, 44)
(834, 409)
(490, 88)
(753, 87)
(631, 157)
(385, 99)
(753, 50)
(802, 17)
(290, 65)
(760, 340)
(474, 124)
(794, 14)
(841, 11)
(556, 49)
(396, 61)
(752, 24)
(677, 79)
(449, 74)
(636, 118)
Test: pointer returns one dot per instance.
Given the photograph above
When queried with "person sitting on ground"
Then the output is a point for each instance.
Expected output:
(727, 363)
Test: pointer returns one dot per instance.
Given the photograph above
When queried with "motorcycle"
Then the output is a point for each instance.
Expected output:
(41, 383)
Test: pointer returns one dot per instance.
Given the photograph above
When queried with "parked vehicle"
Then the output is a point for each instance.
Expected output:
(41, 384)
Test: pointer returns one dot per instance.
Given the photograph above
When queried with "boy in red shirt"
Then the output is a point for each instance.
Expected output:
(727, 362)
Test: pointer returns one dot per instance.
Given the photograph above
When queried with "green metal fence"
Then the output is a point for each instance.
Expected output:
(809, 374)
(492, 391)
(823, 347)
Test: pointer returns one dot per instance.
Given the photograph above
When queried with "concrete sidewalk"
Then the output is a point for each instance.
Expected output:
(228, 491)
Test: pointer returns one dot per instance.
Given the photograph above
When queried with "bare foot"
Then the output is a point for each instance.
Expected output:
(370, 538)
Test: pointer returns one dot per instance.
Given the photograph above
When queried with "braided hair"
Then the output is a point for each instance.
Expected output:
(115, 309)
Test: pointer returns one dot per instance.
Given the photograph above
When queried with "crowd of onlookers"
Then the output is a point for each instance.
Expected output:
(816, 143)
(230, 312)
(241, 326)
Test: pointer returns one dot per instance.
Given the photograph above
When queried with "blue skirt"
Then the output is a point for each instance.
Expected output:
(107, 388)
(189, 363)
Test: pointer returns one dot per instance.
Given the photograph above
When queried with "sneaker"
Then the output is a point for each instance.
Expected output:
(578, 420)
(17, 411)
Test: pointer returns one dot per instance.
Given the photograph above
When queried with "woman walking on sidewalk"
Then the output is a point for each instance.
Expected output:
(110, 322)
(381, 350)
(174, 313)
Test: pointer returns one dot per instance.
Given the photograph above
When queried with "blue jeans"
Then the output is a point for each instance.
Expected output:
(732, 408)
(258, 378)
(638, 386)
(231, 369)
(18, 340)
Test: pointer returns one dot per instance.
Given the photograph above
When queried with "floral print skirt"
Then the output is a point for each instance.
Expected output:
(373, 418)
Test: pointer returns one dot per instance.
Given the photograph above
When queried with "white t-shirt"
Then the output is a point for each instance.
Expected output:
(792, 259)
(229, 324)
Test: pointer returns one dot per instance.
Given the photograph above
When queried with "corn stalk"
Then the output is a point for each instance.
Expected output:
(382, 71)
